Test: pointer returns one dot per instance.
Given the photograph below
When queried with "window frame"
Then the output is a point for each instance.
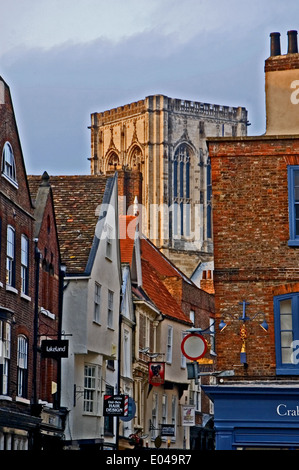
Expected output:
(9, 167)
(110, 307)
(169, 344)
(286, 368)
(97, 303)
(25, 265)
(91, 389)
(22, 369)
(10, 258)
(294, 239)
(5, 353)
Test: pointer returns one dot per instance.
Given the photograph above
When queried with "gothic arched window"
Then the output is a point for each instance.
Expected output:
(181, 190)
(113, 162)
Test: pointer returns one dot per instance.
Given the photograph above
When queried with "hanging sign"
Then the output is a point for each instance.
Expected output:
(188, 415)
(55, 348)
(194, 346)
(116, 405)
(156, 373)
(168, 430)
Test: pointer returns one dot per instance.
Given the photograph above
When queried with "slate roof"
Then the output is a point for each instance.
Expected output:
(76, 201)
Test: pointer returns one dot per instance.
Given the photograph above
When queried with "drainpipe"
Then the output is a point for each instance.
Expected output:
(62, 270)
(37, 256)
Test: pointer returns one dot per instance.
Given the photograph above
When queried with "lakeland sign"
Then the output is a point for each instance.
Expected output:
(55, 348)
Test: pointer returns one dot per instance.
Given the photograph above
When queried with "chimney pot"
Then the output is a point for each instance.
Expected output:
(292, 42)
(275, 44)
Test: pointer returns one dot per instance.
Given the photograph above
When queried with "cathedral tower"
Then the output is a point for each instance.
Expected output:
(163, 140)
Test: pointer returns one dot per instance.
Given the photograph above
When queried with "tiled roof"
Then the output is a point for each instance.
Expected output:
(76, 201)
(127, 229)
(159, 261)
(159, 295)
(154, 265)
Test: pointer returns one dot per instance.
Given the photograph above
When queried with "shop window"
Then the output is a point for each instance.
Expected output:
(286, 308)
(293, 184)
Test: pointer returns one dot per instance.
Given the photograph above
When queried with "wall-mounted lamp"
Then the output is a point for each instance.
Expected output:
(243, 331)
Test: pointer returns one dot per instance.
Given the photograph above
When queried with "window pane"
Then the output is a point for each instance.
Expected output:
(286, 306)
(296, 178)
(286, 322)
(286, 357)
(286, 338)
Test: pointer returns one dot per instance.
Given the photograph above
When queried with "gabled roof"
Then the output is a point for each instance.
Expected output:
(160, 295)
(153, 265)
(160, 262)
(77, 199)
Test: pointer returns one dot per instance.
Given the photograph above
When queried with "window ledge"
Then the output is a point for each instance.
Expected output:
(287, 370)
(23, 400)
(47, 313)
(11, 181)
(25, 297)
(294, 242)
(5, 397)
(11, 289)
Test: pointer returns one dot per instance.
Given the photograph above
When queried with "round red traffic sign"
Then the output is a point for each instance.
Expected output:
(194, 346)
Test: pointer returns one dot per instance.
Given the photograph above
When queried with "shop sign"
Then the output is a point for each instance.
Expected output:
(116, 405)
(167, 430)
(188, 415)
(283, 410)
(55, 348)
(156, 372)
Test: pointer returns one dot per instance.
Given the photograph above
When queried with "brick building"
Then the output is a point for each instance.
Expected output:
(17, 268)
(255, 218)
(48, 315)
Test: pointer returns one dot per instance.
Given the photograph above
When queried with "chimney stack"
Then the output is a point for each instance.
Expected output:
(275, 44)
(282, 87)
(292, 42)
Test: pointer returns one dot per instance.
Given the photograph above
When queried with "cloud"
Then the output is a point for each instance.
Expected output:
(56, 89)
(198, 50)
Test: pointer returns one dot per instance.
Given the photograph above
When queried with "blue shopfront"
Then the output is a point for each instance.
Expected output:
(255, 416)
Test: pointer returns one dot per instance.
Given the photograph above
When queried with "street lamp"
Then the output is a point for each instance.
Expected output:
(243, 331)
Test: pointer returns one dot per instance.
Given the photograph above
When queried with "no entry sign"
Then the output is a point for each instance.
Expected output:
(194, 346)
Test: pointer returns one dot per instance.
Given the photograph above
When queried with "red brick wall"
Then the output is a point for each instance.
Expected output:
(251, 233)
(16, 210)
(48, 298)
(130, 186)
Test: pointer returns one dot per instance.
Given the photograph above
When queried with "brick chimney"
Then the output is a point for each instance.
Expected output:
(282, 87)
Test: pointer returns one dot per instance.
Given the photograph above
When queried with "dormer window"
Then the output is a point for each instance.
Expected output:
(8, 163)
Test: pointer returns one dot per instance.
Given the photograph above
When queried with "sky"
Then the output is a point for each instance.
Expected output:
(66, 59)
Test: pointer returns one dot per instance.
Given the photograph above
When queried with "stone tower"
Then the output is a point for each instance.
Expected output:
(163, 140)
